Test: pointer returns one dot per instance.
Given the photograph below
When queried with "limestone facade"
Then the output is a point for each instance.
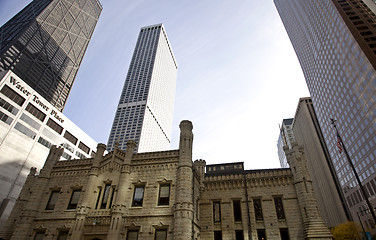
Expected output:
(164, 195)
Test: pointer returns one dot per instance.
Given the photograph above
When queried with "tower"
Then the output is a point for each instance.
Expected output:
(45, 42)
(335, 42)
(286, 137)
(145, 109)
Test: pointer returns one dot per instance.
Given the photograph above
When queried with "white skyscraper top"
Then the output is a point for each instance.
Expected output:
(145, 109)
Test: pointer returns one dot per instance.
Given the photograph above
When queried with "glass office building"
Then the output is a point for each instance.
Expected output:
(335, 41)
(45, 42)
(145, 109)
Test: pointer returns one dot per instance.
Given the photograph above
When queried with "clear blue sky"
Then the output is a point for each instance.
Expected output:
(238, 74)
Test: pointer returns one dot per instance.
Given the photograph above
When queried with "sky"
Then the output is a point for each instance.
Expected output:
(238, 74)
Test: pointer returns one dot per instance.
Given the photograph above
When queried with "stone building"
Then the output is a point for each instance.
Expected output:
(164, 195)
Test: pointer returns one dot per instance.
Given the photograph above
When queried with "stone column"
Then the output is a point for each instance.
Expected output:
(183, 212)
(118, 208)
(314, 227)
(87, 198)
(33, 194)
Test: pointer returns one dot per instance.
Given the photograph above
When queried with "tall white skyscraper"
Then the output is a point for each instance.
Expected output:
(145, 109)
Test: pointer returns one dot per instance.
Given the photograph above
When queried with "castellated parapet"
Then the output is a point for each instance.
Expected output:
(160, 195)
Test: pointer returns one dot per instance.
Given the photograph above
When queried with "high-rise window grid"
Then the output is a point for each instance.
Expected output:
(145, 105)
(52, 32)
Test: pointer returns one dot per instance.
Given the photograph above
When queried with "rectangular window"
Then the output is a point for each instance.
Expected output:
(20, 127)
(284, 234)
(83, 147)
(99, 196)
(261, 234)
(54, 126)
(160, 234)
(164, 195)
(80, 155)
(132, 235)
(279, 208)
(12, 95)
(239, 235)
(237, 210)
(44, 142)
(52, 201)
(9, 107)
(63, 235)
(70, 137)
(30, 121)
(217, 212)
(35, 112)
(73, 202)
(39, 235)
(258, 209)
(5, 118)
(138, 196)
(106, 193)
(217, 235)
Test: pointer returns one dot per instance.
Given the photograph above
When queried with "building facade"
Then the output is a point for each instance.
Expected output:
(45, 42)
(307, 132)
(29, 126)
(145, 109)
(285, 138)
(164, 195)
(335, 41)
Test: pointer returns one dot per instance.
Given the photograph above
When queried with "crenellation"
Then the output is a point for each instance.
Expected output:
(110, 189)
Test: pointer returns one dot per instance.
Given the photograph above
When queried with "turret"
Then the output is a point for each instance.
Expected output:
(52, 158)
(183, 213)
(314, 227)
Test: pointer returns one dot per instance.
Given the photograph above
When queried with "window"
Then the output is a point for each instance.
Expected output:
(237, 211)
(239, 235)
(70, 137)
(138, 196)
(261, 235)
(160, 234)
(5, 118)
(217, 235)
(39, 235)
(35, 112)
(279, 208)
(132, 235)
(9, 107)
(217, 212)
(44, 142)
(83, 147)
(63, 235)
(25, 130)
(106, 194)
(284, 234)
(54, 126)
(164, 195)
(30, 121)
(73, 202)
(52, 201)
(258, 209)
(12, 95)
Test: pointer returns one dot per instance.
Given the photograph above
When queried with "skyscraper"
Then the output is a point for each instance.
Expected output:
(145, 109)
(335, 41)
(285, 138)
(45, 42)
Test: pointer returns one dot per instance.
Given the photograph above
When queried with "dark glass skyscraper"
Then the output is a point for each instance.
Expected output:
(335, 41)
(45, 42)
(145, 109)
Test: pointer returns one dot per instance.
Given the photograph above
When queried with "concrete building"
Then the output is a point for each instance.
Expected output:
(164, 195)
(285, 139)
(45, 42)
(145, 109)
(335, 41)
(29, 126)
